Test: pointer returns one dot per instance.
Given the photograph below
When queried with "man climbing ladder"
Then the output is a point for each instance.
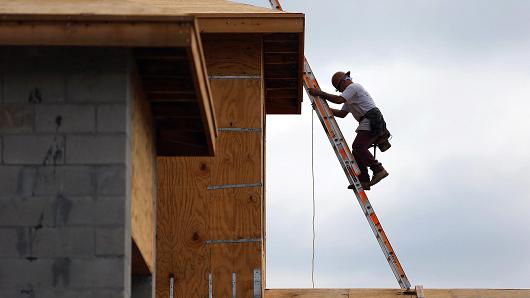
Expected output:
(372, 126)
(351, 169)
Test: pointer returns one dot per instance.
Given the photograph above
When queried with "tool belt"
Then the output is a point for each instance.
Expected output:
(378, 128)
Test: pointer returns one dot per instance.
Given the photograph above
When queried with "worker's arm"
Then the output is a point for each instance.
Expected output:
(339, 113)
(330, 97)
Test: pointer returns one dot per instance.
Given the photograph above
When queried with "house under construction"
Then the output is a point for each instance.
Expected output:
(132, 144)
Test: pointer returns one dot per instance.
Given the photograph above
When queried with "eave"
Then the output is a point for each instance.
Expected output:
(149, 37)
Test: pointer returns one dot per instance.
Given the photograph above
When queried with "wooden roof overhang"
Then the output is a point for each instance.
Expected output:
(169, 58)
(165, 35)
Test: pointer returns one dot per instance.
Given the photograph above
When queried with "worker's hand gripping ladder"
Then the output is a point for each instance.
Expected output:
(350, 168)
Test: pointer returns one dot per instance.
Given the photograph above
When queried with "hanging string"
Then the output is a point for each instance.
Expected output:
(313, 181)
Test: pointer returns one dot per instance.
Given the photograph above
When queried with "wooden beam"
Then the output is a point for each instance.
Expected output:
(395, 293)
(202, 87)
(223, 24)
(126, 34)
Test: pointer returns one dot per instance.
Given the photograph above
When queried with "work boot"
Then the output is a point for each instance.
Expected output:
(364, 184)
(378, 177)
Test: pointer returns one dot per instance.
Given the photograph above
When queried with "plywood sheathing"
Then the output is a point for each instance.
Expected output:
(188, 213)
(282, 66)
(391, 293)
(143, 179)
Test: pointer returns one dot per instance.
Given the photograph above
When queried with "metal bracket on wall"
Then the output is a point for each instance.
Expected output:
(210, 286)
(234, 285)
(257, 283)
(240, 129)
(171, 285)
(214, 187)
(233, 77)
(233, 241)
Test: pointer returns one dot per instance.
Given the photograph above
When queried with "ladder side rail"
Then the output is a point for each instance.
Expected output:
(351, 169)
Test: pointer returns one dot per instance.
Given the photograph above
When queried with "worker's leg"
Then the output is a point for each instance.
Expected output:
(361, 152)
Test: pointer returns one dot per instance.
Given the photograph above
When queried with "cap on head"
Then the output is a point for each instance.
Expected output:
(337, 77)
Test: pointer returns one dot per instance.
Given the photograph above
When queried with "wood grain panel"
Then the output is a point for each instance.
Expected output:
(248, 258)
(222, 266)
(476, 293)
(235, 213)
(182, 216)
(237, 102)
(232, 54)
(239, 258)
(238, 160)
(395, 293)
(190, 271)
(143, 194)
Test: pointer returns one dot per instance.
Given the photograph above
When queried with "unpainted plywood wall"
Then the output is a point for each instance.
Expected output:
(210, 233)
(143, 155)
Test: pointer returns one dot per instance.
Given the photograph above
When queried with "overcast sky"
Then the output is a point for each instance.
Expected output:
(453, 81)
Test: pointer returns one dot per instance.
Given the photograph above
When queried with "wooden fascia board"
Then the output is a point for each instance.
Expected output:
(269, 23)
(96, 33)
(202, 87)
(301, 62)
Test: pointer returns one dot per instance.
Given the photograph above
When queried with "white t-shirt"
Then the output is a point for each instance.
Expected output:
(358, 102)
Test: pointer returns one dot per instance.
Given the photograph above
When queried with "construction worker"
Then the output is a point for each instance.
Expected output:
(371, 129)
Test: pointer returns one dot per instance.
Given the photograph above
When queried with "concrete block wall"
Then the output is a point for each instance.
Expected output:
(64, 172)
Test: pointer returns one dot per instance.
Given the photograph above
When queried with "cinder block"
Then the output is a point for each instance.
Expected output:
(110, 211)
(109, 294)
(23, 212)
(111, 118)
(33, 76)
(99, 149)
(90, 83)
(95, 272)
(81, 211)
(9, 180)
(109, 272)
(12, 244)
(12, 293)
(62, 293)
(111, 180)
(65, 118)
(18, 273)
(110, 242)
(16, 118)
(63, 242)
(29, 149)
(67, 180)
(34, 87)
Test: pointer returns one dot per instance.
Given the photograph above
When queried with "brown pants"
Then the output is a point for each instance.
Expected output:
(365, 159)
